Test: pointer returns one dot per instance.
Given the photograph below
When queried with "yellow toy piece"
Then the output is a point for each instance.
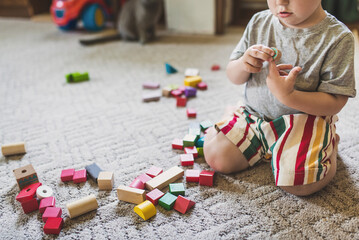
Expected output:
(145, 210)
(192, 81)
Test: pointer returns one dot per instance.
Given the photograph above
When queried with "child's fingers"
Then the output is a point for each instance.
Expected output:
(255, 62)
(262, 52)
(252, 69)
(284, 66)
(293, 74)
(283, 73)
(272, 69)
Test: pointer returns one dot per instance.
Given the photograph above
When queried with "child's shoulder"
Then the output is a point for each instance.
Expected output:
(333, 24)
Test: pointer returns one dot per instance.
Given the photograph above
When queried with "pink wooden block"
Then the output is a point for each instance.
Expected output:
(46, 202)
(154, 196)
(80, 176)
(192, 175)
(144, 178)
(51, 212)
(137, 183)
(206, 178)
(202, 86)
(53, 226)
(67, 174)
(177, 144)
(30, 206)
(191, 113)
(182, 88)
(192, 150)
(154, 171)
(150, 85)
(176, 93)
(187, 159)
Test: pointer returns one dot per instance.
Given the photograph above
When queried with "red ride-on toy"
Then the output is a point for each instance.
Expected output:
(93, 13)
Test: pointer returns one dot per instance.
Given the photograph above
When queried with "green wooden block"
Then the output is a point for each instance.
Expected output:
(200, 142)
(177, 189)
(173, 86)
(195, 131)
(77, 77)
(200, 152)
(206, 124)
(189, 140)
(167, 201)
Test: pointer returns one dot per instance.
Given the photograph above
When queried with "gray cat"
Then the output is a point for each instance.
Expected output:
(137, 22)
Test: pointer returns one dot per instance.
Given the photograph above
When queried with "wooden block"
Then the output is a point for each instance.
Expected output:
(192, 175)
(131, 195)
(191, 72)
(150, 85)
(202, 86)
(44, 192)
(215, 67)
(79, 176)
(154, 196)
(67, 174)
(192, 81)
(53, 226)
(144, 178)
(167, 201)
(154, 171)
(177, 144)
(183, 204)
(151, 96)
(205, 125)
(191, 113)
(200, 142)
(93, 171)
(13, 149)
(25, 176)
(82, 206)
(181, 101)
(30, 205)
(189, 140)
(105, 180)
(170, 69)
(177, 189)
(206, 178)
(165, 178)
(51, 212)
(190, 92)
(27, 193)
(187, 159)
(46, 202)
(166, 91)
(145, 210)
(191, 150)
(200, 152)
(137, 183)
(176, 93)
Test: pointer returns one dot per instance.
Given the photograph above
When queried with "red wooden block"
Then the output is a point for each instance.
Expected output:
(144, 178)
(191, 113)
(202, 86)
(183, 204)
(46, 202)
(182, 88)
(177, 144)
(176, 93)
(53, 225)
(192, 150)
(28, 192)
(154, 171)
(67, 174)
(154, 196)
(206, 178)
(181, 101)
(137, 183)
(51, 212)
(80, 176)
(30, 206)
(192, 175)
(187, 159)
(215, 67)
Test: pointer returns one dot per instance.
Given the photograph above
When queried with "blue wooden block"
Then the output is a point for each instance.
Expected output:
(170, 69)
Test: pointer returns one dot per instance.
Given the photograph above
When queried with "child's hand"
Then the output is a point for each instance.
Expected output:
(254, 57)
(279, 82)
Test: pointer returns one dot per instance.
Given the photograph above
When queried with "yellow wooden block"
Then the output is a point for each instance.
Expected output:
(145, 210)
(165, 178)
(132, 195)
(192, 81)
(13, 148)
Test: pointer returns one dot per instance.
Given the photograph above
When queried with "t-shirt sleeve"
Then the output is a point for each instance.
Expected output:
(337, 72)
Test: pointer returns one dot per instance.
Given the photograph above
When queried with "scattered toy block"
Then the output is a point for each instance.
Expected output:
(167, 201)
(77, 77)
(144, 178)
(202, 86)
(165, 178)
(191, 72)
(205, 125)
(13, 149)
(206, 178)
(151, 96)
(51, 212)
(189, 140)
(46, 202)
(105, 180)
(191, 150)
(131, 195)
(67, 174)
(192, 175)
(53, 226)
(177, 144)
(187, 159)
(81, 206)
(150, 85)
(137, 183)
(183, 204)
(25, 176)
(192, 81)
(166, 91)
(176, 93)
(154, 196)
(191, 113)
(177, 189)
(27, 193)
(154, 171)
(215, 67)
(30, 205)
(195, 131)
(200, 151)
(93, 171)
(200, 142)
(145, 210)
(173, 86)
(44, 192)
(170, 69)
(182, 89)
(190, 92)
(181, 101)
(79, 176)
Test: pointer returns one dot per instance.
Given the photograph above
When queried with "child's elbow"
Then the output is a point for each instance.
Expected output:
(341, 100)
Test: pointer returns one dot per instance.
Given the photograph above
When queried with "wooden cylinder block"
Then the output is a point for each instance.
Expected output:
(82, 206)
(145, 210)
(12, 149)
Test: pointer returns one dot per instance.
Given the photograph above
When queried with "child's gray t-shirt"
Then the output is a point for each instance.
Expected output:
(324, 51)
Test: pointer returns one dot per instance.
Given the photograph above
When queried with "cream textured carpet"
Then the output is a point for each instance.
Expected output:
(105, 121)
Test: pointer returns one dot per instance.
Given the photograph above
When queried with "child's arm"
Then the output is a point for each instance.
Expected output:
(238, 71)
(314, 103)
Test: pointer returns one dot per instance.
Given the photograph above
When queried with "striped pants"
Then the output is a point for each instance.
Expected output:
(299, 145)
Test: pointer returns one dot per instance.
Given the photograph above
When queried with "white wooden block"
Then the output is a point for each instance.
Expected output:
(165, 178)
(191, 72)
(131, 195)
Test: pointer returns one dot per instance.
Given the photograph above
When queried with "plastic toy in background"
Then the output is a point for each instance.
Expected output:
(77, 77)
(93, 13)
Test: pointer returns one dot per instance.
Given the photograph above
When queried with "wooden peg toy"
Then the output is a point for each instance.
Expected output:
(192, 175)
(165, 178)
(30, 205)
(51, 212)
(187, 159)
(167, 201)
(177, 144)
(93, 171)
(105, 180)
(192, 150)
(27, 193)
(277, 54)
(145, 210)
(154, 171)
(191, 113)
(177, 189)
(137, 183)
(154, 196)
(79, 176)
(131, 195)
(191, 72)
(67, 174)
(46, 202)
(53, 226)
(183, 204)
(44, 192)
(13, 149)
(82, 206)
(25, 176)
(77, 77)
(206, 178)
